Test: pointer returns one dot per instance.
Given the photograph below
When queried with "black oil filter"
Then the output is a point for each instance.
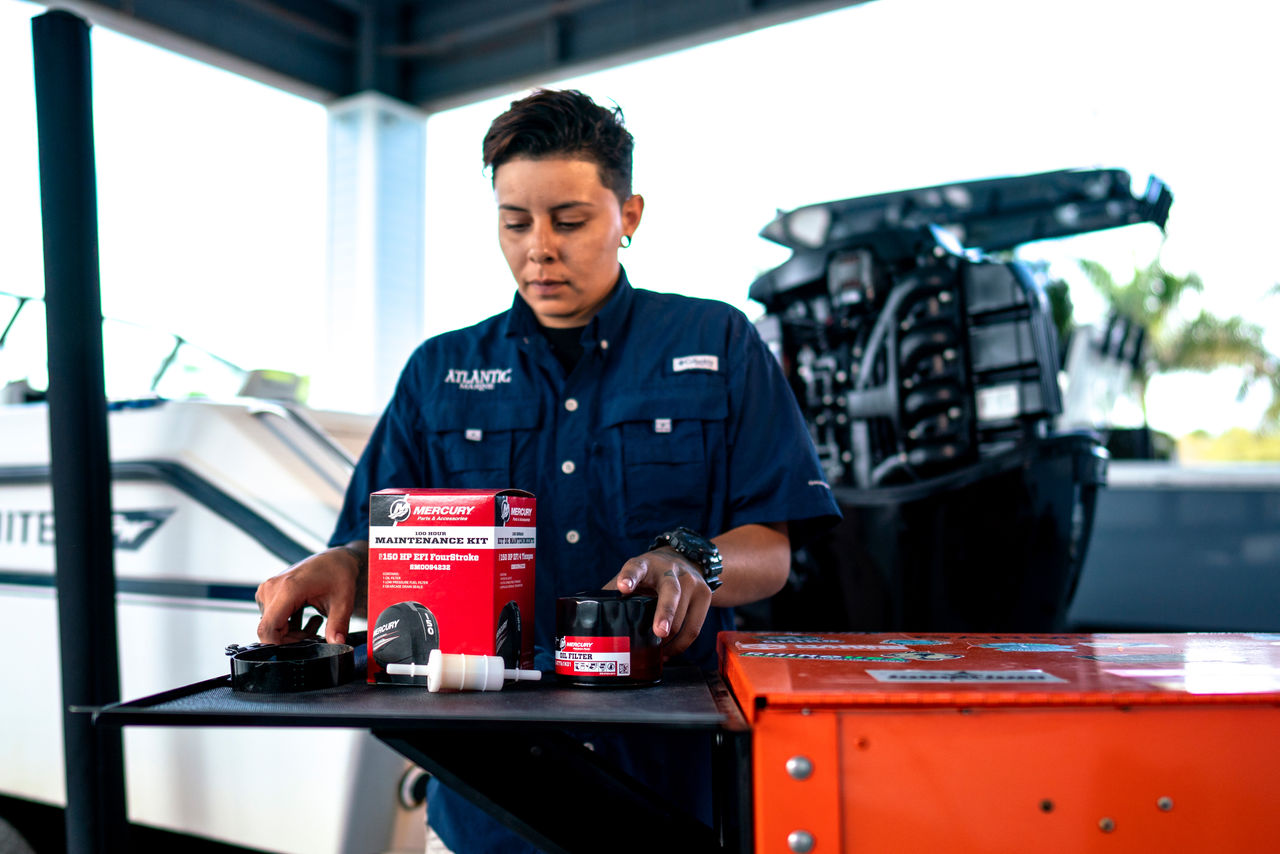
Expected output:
(605, 638)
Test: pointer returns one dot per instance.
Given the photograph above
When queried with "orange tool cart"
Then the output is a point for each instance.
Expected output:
(905, 742)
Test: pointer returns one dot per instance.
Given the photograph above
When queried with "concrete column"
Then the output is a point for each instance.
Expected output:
(377, 188)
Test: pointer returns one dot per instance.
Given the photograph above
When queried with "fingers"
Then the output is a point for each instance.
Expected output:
(339, 610)
(277, 610)
(326, 582)
(645, 572)
(631, 576)
(670, 611)
(691, 612)
(683, 596)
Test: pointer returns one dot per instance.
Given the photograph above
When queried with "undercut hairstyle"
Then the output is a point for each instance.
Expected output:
(563, 123)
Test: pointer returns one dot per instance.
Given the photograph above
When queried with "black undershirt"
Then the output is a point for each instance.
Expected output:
(566, 345)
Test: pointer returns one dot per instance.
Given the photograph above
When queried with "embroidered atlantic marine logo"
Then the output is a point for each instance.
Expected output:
(478, 380)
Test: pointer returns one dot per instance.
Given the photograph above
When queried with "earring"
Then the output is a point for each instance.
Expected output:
(626, 241)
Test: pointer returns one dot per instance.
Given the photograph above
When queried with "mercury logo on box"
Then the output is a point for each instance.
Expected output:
(399, 510)
(511, 515)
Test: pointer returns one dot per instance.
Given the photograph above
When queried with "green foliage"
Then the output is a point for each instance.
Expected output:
(1203, 343)
(1063, 310)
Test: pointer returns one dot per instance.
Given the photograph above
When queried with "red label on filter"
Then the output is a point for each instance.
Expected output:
(607, 656)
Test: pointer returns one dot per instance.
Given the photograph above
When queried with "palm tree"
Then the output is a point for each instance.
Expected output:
(1175, 343)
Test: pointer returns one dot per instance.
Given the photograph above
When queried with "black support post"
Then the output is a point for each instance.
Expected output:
(95, 816)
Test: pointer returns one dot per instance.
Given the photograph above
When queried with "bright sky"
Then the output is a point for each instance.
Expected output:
(212, 186)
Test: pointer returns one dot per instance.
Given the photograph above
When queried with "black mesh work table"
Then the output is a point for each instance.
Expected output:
(513, 752)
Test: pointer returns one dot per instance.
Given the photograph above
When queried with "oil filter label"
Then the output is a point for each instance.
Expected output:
(582, 656)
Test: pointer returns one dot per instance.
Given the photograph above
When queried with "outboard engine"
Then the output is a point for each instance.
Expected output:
(928, 374)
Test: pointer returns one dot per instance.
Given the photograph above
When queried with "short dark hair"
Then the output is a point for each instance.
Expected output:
(564, 122)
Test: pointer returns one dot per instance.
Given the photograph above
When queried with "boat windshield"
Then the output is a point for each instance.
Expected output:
(138, 362)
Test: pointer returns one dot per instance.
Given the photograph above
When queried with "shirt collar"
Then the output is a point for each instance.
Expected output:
(607, 324)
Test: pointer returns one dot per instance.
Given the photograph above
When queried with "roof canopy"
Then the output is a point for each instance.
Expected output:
(430, 53)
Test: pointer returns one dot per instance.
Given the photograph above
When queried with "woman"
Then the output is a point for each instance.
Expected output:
(640, 420)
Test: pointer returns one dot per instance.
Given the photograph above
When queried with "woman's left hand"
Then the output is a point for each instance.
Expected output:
(683, 595)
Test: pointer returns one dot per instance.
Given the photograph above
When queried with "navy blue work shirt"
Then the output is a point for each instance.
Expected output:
(676, 414)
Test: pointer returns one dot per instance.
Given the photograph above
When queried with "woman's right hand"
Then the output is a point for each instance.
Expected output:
(334, 582)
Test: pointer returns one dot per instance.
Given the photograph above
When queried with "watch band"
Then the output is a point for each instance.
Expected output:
(703, 553)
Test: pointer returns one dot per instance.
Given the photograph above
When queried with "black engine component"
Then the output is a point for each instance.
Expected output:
(911, 354)
(927, 372)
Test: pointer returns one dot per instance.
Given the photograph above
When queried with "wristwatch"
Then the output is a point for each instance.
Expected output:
(703, 553)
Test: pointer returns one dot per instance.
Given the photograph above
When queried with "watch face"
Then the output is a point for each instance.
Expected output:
(698, 549)
(684, 538)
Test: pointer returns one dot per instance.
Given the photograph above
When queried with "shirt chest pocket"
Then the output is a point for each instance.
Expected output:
(663, 445)
(473, 445)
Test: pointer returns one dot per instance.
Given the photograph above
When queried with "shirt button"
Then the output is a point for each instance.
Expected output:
(567, 467)
(604, 345)
(572, 537)
(571, 404)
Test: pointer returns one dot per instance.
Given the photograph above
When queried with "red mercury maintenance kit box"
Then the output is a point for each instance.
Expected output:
(986, 744)
(450, 569)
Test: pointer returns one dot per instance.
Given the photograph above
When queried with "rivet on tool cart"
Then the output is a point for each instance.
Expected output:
(1107, 825)
(1165, 803)
(799, 767)
(800, 841)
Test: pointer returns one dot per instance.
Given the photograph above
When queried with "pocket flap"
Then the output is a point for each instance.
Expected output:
(702, 402)
(483, 415)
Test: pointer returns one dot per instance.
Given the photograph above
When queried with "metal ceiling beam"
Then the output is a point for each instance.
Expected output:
(488, 31)
(431, 54)
(465, 52)
(300, 23)
(307, 48)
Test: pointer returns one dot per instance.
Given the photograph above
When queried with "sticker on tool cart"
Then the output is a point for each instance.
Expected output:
(963, 676)
(826, 645)
(915, 641)
(1123, 643)
(577, 656)
(1124, 658)
(813, 656)
(1028, 647)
